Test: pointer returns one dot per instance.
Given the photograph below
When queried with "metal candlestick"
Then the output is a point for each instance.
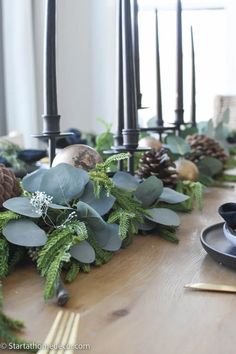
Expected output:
(193, 103)
(158, 76)
(179, 94)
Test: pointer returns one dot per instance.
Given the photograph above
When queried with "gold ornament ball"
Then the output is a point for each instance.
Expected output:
(150, 142)
(78, 155)
(187, 170)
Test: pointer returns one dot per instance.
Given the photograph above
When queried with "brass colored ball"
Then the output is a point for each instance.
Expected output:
(150, 142)
(187, 170)
(78, 155)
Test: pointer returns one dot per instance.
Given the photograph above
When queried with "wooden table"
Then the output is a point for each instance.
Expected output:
(137, 303)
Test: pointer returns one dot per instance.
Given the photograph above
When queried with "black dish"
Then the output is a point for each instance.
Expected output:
(217, 246)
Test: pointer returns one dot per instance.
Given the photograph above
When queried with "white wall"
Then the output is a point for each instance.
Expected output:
(19, 63)
(86, 62)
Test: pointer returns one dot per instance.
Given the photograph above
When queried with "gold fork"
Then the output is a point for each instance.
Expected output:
(62, 335)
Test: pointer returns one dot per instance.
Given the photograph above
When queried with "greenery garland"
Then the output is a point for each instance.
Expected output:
(79, 219)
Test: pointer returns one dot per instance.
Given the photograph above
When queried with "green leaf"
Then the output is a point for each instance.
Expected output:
(148, 191)
(108, 237)
(163, 216)
(177, 145)
(206, 180)
(188, 131)
(210, 166)
(24, 233)
(22, 206)
(102, 204)
(63, 182)
(83, 252)
(105, 234)
(171, 196)
(147, 225)
(125, 181)
(206, 128)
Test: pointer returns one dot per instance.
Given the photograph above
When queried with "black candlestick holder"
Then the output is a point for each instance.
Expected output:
(51, 131)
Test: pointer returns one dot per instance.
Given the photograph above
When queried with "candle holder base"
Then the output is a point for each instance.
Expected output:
(51, 142)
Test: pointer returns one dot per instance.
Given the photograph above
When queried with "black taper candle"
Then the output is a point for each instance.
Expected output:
(193, 101)
(136, 53)
(179, 90)
(130, 131)
(50, 116)
(118, 138)
(158, 76)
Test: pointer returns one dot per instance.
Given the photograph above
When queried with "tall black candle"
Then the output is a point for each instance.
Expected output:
(136, 52)
(130, 131)
(179, 94)
(193, 101)
(118, 138)
(158, 76)
(50, 116)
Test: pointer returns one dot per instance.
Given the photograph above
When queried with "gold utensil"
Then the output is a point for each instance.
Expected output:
(212, 287)
(62, 335)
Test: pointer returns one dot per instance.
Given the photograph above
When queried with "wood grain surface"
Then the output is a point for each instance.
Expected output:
(137, 303)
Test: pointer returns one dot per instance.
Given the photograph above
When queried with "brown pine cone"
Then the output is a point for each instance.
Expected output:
(202, 146)
(158, 163)
(9, 185)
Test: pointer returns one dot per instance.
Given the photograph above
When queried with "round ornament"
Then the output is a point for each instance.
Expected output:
(78, 155)
(150, 142)
(187, 170)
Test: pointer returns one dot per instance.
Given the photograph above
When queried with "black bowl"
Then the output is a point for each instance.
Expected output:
(228, 212)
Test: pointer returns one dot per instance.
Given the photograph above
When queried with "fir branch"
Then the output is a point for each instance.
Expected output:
(6, 216)
(101, 180)
(168, 234)
(54, 272)
(102, 256)
(4, 255)
(56, 252)
(124, 220)
(17, 253)
(73, 271)
(85, 267)
(195, 192)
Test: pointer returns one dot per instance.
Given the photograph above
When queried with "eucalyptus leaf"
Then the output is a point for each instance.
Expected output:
(163, 216)
(210, 166)
(24, 233)
(32, 181)
(107, 237)
(148, 191)
(87, 213)
(177, 145)
(22, 206)
(59, 207)
(171, 196)
(63, 182)
(125, 181)
(102, 204)
(147, 225)
(83, 252)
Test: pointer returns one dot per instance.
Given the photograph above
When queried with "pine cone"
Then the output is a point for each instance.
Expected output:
(158, 163)
(33, 253)
(202, 146)
(9, 185)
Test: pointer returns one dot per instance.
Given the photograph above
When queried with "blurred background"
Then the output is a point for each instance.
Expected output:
(87, 62)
